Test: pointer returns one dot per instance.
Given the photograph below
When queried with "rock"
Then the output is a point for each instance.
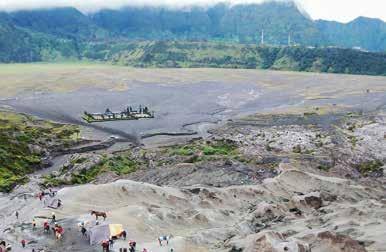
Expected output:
(36, 149)
(312, 200)
(78, 163)
(297, 149)
(295, 211)
(333, 242)
(285, 166)
(328, 197)
(264, 209)
(269, 242)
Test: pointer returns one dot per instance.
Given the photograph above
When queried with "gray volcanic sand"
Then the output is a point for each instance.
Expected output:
(174, 105)
(182, 107)
(197, 104)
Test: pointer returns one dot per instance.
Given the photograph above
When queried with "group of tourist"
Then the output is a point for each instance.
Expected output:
(56, 228)
(108, 244)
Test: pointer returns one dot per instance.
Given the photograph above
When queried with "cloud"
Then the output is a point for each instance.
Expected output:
(94, 5)
(340, 10)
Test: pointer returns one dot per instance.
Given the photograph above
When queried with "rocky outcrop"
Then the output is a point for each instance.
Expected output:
(270, 242)
(78, 163)
(333, 242)
(312, 200)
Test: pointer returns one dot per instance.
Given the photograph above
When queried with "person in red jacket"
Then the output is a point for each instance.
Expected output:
(46, 226)
(105, 246)
(2, 246)
(23, 242)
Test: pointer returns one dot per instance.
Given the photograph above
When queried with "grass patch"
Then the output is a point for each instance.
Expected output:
(323, 167)
(121, 165)
(297, 149)
(205, 150)
(368, 167)
(78, 160)
(353, 140)
(52, 181)
(306, 114)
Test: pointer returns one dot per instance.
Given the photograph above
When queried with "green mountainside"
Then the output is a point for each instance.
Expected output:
(234, 55)
(367, 33)
(124, 37)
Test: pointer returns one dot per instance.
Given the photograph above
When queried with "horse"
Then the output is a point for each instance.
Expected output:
(97, 214)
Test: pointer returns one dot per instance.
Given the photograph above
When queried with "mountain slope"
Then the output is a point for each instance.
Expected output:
(238, 23)
(233, 55)
(23, 45)
(62, 22)
(367, 33)
(242, 23)
(16, 45)
(277, 21)
(66, 33)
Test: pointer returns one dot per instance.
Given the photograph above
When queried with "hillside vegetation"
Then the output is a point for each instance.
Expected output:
(25, 144)
(232, 23)
(225, 55)
(165, 37)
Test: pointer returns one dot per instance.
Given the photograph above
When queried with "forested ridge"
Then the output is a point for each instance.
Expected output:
(217, 36)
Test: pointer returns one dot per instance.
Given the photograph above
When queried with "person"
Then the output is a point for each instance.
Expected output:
(111, 242)
(2, 246)
(144, 250)
(40, 196)
(123, 234)
(58, 232)
(23, 242)
(17, 215)
(171, 250)
(33, 224)
(59, 203)
(163, 238)
(132, 245)
(53, 217)
(46, 226)
(51, 193)
(105, 246)
(83, 230)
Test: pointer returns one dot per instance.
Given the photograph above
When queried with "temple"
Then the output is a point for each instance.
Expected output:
(128, 114)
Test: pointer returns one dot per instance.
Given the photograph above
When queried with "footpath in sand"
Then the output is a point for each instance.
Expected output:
(296, 211)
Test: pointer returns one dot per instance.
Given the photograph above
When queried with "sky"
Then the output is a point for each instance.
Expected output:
(338, 10)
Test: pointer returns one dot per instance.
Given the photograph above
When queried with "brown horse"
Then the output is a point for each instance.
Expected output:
(97, 214)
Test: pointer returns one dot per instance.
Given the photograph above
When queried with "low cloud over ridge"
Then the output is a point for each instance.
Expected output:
(95, 5)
